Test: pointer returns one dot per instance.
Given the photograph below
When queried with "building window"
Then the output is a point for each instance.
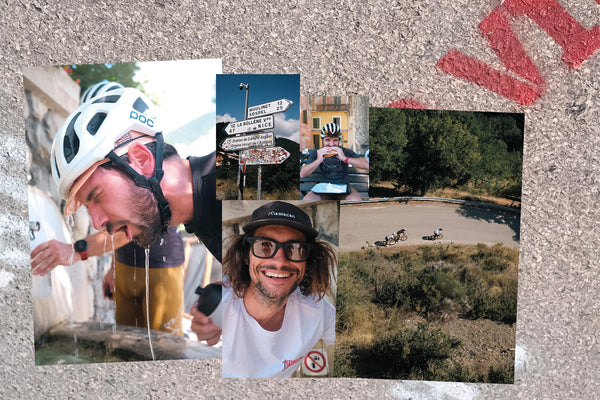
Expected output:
(316, 141)
(316, 122)
(337, 100)
(304, 116)
(337, 120)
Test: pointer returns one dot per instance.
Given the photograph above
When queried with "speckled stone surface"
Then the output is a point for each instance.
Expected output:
(386, 50)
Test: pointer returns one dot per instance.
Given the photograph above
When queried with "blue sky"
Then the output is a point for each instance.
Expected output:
(263, 89)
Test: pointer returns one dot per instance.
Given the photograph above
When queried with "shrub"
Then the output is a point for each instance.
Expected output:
(504, 374)
(498, 306)
(405, 353)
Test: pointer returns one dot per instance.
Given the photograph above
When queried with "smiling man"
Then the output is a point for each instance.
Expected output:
(275, 278)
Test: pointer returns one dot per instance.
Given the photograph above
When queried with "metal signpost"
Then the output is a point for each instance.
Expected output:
(262, 156)
(255, 149)
(250, 125)
(272, 107)
(268, 155)
(262, 139)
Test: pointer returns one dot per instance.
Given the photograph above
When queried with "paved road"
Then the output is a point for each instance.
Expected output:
(461, 224)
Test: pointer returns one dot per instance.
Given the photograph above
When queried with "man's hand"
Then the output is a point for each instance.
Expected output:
(337, 151)
(48, 255)
(108, 283)
(204, 328)
(327, 151)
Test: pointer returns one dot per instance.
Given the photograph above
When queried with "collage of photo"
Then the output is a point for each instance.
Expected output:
(176, 212)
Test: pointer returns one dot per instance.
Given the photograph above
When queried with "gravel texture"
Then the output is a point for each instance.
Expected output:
(386, 50)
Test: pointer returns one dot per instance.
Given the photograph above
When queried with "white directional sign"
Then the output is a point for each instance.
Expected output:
(263, 139)
(272, 107)
(250, 125)
(269, 155)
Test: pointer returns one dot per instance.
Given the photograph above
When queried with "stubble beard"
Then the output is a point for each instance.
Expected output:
(274, 299)
(144, 216)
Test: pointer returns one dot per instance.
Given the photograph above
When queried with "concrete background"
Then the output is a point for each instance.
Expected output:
(384, 50)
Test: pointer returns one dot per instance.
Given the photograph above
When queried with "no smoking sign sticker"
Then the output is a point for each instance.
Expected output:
(315, 363)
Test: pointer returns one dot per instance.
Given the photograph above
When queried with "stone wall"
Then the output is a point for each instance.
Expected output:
(359, 123)
(50, 96)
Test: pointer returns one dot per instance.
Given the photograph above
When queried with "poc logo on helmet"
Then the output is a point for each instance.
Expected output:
(142, 118)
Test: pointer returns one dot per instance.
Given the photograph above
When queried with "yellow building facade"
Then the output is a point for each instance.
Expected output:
(326, 109)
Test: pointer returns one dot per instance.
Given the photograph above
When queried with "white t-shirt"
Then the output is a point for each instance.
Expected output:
(249, 351)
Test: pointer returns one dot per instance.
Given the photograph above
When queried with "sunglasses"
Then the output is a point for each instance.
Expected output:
(293, 250)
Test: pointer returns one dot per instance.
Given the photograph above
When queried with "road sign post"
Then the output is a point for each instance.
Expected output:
(272, 107)
(256, 118)
(259, 184)
(258, 139)
(262, 156)
(250, 125)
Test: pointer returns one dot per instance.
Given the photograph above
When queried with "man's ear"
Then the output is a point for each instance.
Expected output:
(141, 159)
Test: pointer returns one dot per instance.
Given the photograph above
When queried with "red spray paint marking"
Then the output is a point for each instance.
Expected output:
(408, 103)
(463, 66)
(578, 44)
(504, 42)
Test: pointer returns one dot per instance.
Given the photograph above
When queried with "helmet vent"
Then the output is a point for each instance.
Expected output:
(56, 167)
(108, 99)
(71, 140)
(95, 123)
(95, 93)
(140, 106)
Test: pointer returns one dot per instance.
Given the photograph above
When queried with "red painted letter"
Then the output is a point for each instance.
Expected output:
(577, 43)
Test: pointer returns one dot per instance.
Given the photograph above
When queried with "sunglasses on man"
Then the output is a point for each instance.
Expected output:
(294, 250)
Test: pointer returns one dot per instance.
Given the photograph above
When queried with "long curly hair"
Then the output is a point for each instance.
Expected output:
(317, 279)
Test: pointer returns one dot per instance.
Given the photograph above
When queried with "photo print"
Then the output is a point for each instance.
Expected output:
(124, 225)
(334, 145)
(279, 288)
(257, 136)
(428, 268)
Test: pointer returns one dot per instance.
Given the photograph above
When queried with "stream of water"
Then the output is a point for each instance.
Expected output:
(148, 299)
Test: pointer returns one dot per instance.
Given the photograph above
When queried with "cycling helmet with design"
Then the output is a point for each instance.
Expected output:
(331, 130)
(92, 133)
(98, 89)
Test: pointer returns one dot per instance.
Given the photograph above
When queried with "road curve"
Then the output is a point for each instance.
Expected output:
(462, 224)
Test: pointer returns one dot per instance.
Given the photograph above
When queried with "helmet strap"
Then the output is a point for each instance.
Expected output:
(152, 183)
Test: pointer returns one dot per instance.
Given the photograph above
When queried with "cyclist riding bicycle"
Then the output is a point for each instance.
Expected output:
(401, 234)
(390, 238)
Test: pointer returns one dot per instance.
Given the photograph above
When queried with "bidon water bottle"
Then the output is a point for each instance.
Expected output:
(209, 302)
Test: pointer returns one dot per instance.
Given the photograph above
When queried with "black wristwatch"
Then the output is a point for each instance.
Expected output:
(81, 247)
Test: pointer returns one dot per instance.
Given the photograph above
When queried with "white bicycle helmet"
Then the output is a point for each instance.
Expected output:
(331, 130)
(99, 89)
(90, 134)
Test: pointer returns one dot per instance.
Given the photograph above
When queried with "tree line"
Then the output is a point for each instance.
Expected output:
(423, 150)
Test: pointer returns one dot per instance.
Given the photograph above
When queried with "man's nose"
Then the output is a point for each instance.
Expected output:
(99, 217)
(279, 256)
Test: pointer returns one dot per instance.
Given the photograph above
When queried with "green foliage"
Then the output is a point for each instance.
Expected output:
(494, 302)
(441, 153)
(500, 375)
(90, 74)
(424, 150)
(404, 354)
(387, 141)
(434, 281)
(378, 289)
